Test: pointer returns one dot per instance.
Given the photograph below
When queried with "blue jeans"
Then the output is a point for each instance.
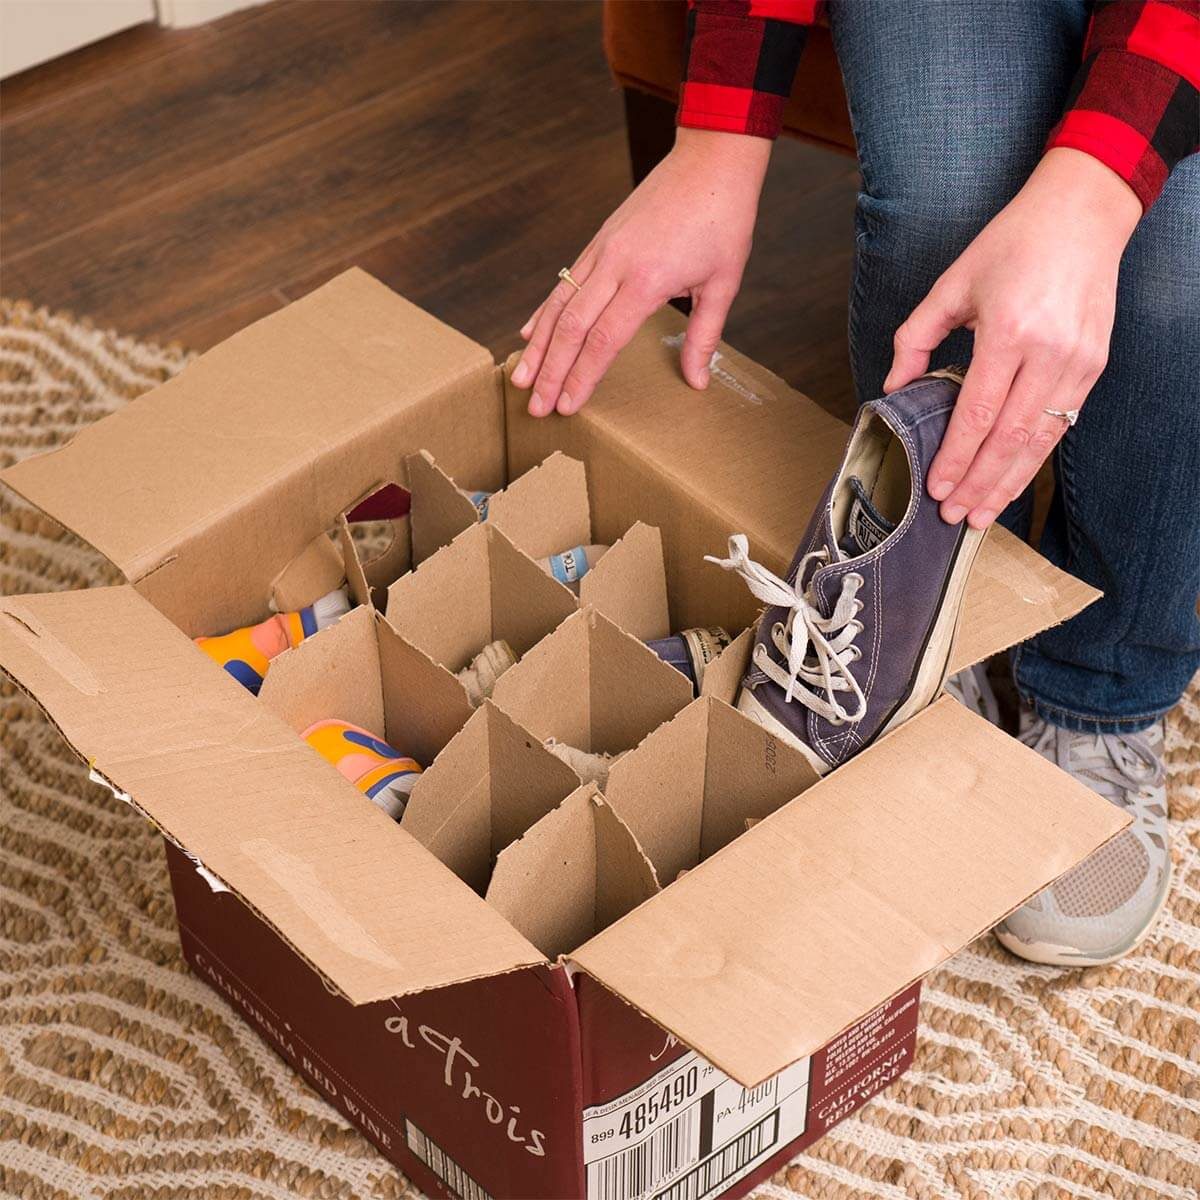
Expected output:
(951, 102)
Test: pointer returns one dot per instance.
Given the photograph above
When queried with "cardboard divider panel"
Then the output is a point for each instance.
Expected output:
(440, 509)
(375, 539)
(545, 510)
(629, 584)
(696, 782)
(723, 676)
(396, 527)
(573, 874)
(316, 571)
(477, 590)
(362, 671)
(592, 686)
(847, 894)
(217, 771)
(492, 782)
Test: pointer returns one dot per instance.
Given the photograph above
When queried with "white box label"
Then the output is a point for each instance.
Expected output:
(689, 1132)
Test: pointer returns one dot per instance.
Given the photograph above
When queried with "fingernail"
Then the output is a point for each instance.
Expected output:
(953, 513)
(566, 405)
(982, 519)
(939, 489)
(887, 384)
(535, 405)
(704, 377)
(527, 329)
(520, 375)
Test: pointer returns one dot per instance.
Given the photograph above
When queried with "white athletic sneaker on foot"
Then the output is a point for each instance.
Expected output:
(1101, 909)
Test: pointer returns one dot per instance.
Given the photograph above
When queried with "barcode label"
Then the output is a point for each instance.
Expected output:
(442, 1165)
(689, 1131)
(726, 1164)
(644, 1167)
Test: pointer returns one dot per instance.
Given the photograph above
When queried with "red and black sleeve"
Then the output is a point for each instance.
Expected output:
(1135, 102)
(740, 60)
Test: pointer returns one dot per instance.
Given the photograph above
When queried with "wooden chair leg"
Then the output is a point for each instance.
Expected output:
(650, 128)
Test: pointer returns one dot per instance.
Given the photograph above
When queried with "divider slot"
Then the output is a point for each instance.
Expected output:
(699, 781)
(592, 686)
(363, 672)
(473, 593)
(573, 874)
(490, 784)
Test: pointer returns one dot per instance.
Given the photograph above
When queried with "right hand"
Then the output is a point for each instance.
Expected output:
(684, 231)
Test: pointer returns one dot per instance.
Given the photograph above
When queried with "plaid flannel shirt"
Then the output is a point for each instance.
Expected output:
(1134, 103)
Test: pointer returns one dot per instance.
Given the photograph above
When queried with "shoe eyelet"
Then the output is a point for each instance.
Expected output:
(777, 630)
(836, 721)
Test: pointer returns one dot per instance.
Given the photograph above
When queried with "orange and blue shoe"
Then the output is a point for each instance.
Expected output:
(245, 653)
(381, 773)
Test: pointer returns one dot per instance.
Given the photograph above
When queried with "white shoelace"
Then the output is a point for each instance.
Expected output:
(812, 678)
(1121, 767)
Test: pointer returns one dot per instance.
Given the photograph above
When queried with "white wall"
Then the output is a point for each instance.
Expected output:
(34, 31)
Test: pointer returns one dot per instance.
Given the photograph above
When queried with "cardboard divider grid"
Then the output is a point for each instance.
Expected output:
(592, 686)
(699, 781)
(362, 671)
(573, 874)
(477, 590)
(395, 527)
(491, 783)
(547, 510)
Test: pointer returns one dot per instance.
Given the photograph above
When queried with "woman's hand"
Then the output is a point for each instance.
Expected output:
(1038, 286)
(685, 230)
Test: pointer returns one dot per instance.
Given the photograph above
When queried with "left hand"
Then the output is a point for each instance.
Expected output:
(1039, 287)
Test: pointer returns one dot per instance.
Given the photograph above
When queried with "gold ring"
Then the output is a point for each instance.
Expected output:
(566, 276)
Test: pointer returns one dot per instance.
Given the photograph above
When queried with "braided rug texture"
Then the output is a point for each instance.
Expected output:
(123, 1077)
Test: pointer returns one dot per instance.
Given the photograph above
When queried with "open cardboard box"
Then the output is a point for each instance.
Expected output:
(788, 961)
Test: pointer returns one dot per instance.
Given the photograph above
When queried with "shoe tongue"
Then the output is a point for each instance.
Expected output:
(866, 526)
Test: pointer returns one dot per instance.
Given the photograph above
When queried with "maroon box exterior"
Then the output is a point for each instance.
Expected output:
(520, 1086)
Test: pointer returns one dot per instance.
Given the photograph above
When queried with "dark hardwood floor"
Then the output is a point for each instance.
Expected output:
(180, 184)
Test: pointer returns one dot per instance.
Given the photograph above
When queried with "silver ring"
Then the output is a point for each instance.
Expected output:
(566, 276)
(1070, 415)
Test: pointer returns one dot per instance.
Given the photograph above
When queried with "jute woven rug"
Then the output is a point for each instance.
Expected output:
(123, 1077)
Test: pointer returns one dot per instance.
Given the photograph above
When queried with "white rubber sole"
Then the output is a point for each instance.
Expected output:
(747, 704)
(930, 678)
(936, 665)
(1052, 955)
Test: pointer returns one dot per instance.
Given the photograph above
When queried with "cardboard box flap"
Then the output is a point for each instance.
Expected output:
(265, 407)
(709, 464)
(350, 890)
(849, 893)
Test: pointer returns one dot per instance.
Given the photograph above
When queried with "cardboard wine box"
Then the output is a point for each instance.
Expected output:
(717, 994)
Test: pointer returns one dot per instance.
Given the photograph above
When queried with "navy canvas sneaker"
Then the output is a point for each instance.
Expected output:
(857, 638)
